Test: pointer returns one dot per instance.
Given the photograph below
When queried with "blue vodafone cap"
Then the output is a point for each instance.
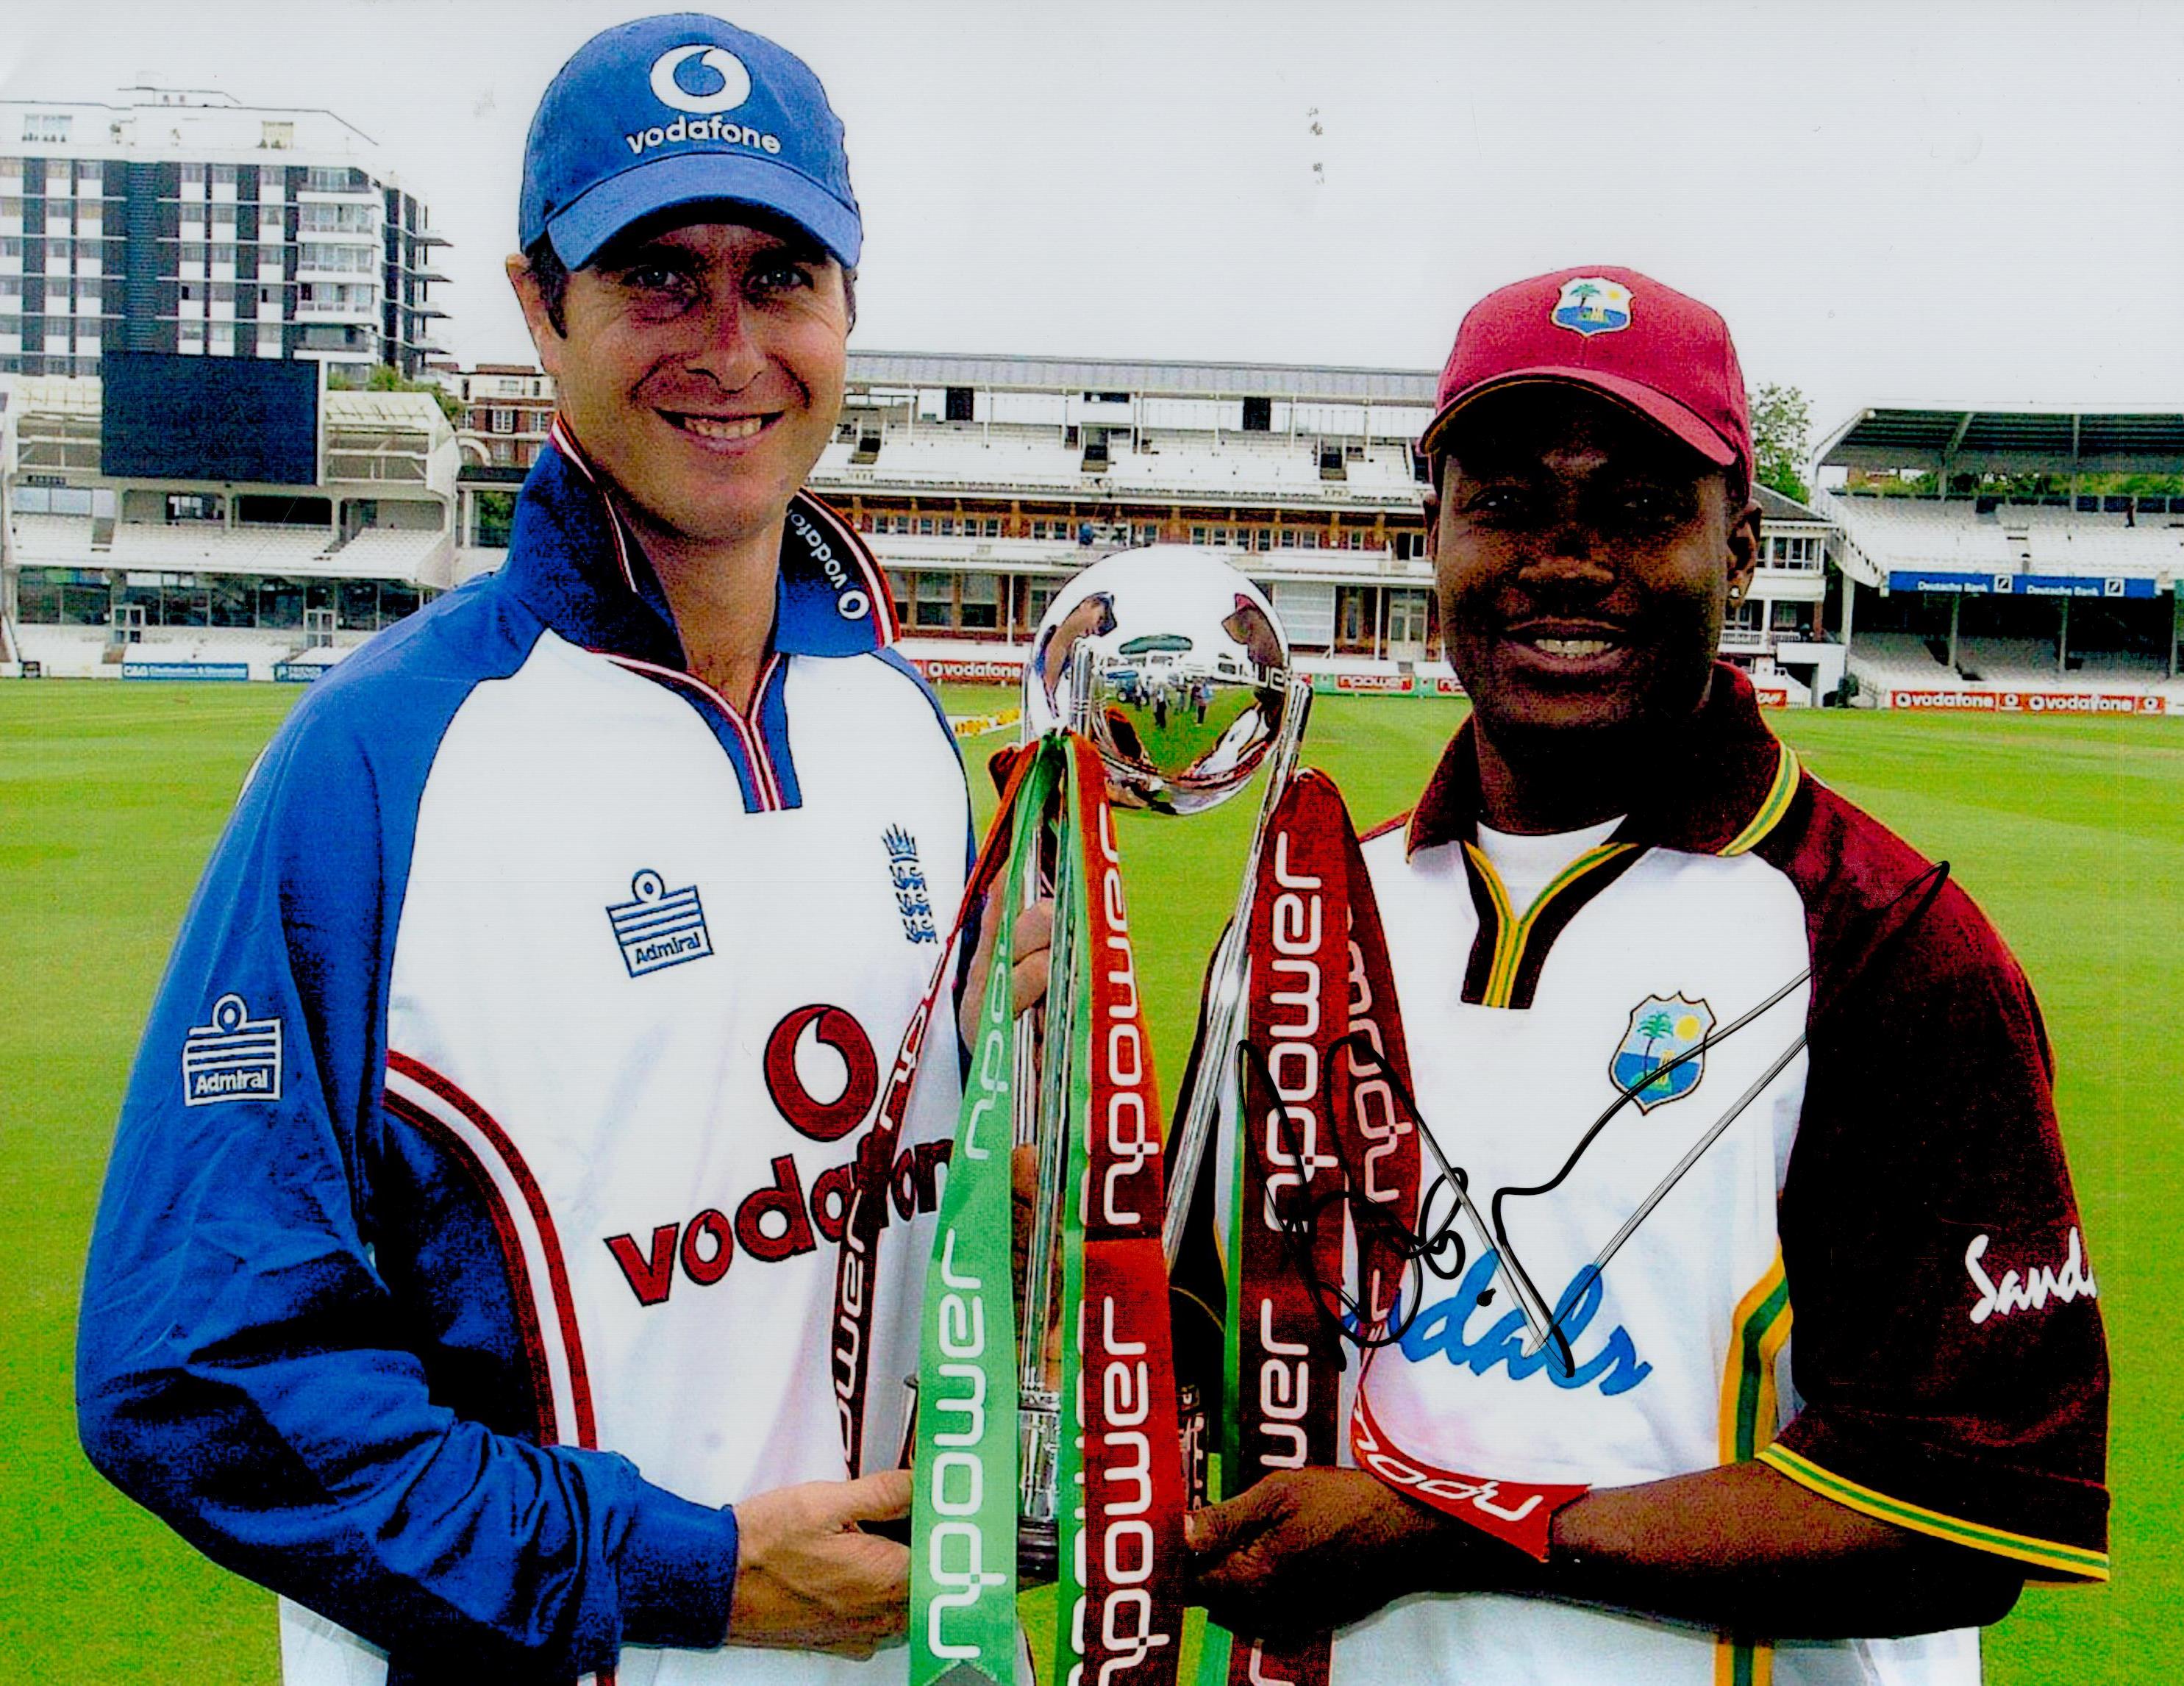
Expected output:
(676, 111)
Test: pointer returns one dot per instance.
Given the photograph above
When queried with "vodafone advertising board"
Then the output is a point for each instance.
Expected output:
(938, 670)
(2029, 702)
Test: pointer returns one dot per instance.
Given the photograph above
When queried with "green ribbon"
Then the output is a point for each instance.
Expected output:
(1071, 920)
(963, 1561)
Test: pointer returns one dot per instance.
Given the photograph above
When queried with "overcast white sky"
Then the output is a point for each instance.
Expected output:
(1933, 204)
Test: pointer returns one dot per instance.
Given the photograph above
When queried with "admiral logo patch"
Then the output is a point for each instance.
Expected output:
(659, 928)
(912, 898)
(1592, 305)
(236, 1057)
(1662, 1029)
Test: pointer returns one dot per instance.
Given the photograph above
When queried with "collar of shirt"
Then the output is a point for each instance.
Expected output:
(575, 560)
(1715, 793)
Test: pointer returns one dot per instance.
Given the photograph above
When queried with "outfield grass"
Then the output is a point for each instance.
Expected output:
(2070, 831)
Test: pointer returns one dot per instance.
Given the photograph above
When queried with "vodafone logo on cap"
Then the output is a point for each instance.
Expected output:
(735, 81)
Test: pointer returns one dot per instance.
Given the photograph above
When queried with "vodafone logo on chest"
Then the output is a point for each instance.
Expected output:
(787, 1216)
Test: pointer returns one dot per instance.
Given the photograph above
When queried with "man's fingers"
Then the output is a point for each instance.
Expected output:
(1028, 982)
(1220, 1530)
(877, 1498)
(1032, 937)
(1034, 926)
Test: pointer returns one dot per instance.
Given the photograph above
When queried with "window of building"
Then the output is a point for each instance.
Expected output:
(898, 590)
(935, 604)
(357, 605)
(1197, 535)
(233, 602)
(982, 598)
(504, 421)
(280, 603)
(224, 173)
(925, 524)
(1258, 415)
(1353, 622)
(63, 597)
(193, 175)
(328, 179)
(1288, 538)
(46, 126)
(1308, 539)
(224, 254)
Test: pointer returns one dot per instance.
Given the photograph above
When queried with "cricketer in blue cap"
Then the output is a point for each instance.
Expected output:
(689, 236)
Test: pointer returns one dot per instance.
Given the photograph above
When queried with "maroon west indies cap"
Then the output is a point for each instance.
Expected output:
(1615, 331)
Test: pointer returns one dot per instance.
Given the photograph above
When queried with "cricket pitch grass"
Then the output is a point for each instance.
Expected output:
(2070, 832)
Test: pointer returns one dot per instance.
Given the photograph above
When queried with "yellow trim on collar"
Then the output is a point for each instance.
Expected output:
(1779, 795)
(1512, 930)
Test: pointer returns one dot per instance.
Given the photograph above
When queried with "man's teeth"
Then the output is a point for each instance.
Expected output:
(723, 428)
(1573, 647)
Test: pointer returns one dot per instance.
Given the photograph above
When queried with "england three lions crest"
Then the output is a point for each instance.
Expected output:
(1661, 1058)
(907, 873)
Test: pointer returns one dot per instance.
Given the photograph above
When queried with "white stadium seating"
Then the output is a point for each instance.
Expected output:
(2013, 538)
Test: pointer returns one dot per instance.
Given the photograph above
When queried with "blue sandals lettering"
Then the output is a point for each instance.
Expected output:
(1445, 1328)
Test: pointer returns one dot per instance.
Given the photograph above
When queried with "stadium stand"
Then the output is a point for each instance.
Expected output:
(184, 573)
(1986, 563)
(983, 482)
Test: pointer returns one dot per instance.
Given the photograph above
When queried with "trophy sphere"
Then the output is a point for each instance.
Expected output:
(1188, 668)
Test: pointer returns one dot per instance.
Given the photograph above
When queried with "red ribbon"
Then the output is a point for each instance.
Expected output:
(1519, 1512)
(1133, 1535)
(1328, 1131)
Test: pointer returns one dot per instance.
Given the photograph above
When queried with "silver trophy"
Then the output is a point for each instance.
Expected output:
(1176, 669)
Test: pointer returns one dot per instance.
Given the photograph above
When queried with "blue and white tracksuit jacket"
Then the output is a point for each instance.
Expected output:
(464, 1252)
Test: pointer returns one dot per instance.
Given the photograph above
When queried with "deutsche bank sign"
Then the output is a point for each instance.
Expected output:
(2018, 585)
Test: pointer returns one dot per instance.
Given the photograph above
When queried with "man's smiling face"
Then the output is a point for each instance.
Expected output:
(700, 367)
(1583, 558)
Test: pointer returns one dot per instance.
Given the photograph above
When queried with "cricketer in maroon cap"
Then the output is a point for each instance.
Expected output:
(1615, 805)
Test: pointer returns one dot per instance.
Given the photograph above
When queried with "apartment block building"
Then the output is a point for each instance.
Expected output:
(181, 220)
